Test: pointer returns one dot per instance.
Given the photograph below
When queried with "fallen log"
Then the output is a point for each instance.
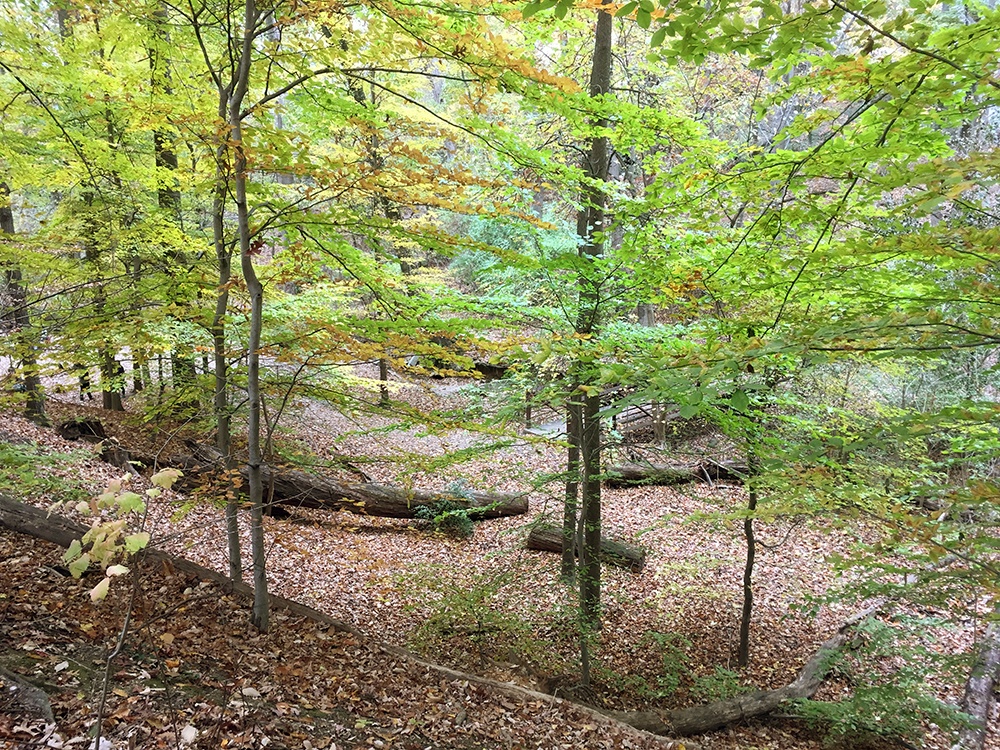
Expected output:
(299, 489)
(549, 539)
(625, 475)
(977, 701)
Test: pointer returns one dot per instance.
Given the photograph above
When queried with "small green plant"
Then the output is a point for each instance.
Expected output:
(674, 659)
(449, 515)
(721, 684)
(27, 473)
(477, 609)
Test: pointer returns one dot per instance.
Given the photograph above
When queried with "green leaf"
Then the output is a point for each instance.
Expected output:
(643, 18)
(79, 566)
(135, 542)
(658, 37)
(73, 551)
(626, 10)
(530, 9)
(688, 410)
(130, 501)
(739, 401)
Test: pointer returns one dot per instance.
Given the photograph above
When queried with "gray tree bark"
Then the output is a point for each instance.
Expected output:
(261, 608)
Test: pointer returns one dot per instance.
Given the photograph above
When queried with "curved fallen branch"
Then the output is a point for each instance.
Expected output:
(698, 719)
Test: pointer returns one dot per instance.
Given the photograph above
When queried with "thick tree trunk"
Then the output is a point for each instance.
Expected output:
(625, 475)
(303, 490)
(984, 678)
(550, 539)
(20, 318)
(591, 225)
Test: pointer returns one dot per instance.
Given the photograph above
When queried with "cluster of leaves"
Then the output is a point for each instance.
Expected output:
(107, 540)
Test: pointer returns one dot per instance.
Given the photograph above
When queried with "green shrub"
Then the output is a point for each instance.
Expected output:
(721, 685)
(450, 515)
(890, 690)
(27, 472)
(479, 610)
(447, 517)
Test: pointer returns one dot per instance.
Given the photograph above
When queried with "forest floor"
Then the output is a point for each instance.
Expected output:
(194, 673)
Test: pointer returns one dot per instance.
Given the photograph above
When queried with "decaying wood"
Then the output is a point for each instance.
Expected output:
(549, 539)
(52, 527)
(297, 488)
(90, 430)
(625, 475)
(978, 699)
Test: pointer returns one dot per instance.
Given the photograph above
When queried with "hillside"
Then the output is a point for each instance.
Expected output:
(191, 659)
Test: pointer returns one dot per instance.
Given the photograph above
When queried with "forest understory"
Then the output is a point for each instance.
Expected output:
(193, 673)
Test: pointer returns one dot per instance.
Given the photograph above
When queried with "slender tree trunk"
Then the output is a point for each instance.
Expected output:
(743, 655)
(570, 541)
(590, 512)
(753, 434)
(383, 379)
(223, 417)
(34, 408)
(261, 608)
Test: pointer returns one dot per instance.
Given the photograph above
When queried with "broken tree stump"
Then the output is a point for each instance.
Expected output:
(627, 475)
(549, 539)
(303, 490)
(90, 430)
